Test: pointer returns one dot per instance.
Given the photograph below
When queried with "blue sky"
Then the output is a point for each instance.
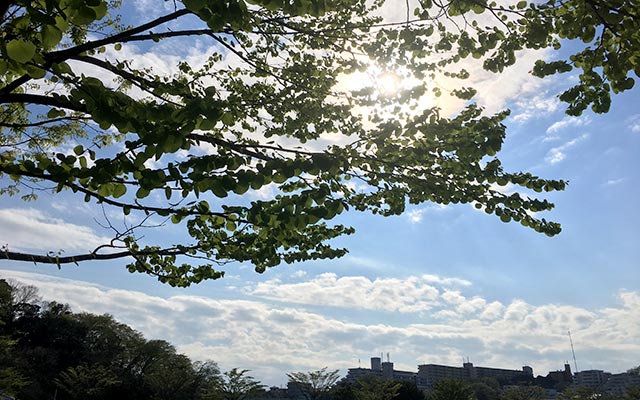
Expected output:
(432, 286)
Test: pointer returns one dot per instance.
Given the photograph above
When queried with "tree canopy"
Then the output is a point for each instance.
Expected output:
(451, 389)
(255, 152)
(315, 385)
(47, 351)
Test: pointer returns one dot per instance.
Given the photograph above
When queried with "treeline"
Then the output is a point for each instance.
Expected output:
(49, 352)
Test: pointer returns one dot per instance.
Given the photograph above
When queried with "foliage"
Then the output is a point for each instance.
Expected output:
(11, 380)
(87, 382)
(523, 393)
(51, 352)
(451, 389)
(632, 393)
(374, 388)
(608, 31)
(260, 116)
(237, 385)
(583, 393)
(409, 391)
(315, 384)
(486, 389)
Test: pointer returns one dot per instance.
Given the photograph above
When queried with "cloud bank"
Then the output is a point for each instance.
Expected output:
(33, 229)
(327, 320)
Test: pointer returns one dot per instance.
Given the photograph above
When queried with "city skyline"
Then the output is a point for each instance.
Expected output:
(436, 284)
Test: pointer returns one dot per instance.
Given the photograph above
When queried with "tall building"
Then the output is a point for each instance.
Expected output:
(591, 378)
(430, 374)
(380, 369)
(619, 384)
(561, 376)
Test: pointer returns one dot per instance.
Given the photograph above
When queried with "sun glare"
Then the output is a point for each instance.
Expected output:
(388, 83)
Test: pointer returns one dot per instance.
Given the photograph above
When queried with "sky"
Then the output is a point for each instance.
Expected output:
(435, 285)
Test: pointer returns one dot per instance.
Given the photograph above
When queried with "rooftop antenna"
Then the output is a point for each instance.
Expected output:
(575, 363)
(388, 357)
(359, 366)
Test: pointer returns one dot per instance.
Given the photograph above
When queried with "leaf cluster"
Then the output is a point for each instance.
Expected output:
(198, 149)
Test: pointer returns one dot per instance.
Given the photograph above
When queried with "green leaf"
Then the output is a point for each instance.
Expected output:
(119, 190)
(50, 36)
(100, 10)
(142, 193)
(194, 5)
(84, 16)
(228, 119)
(55, 113)
(627, 84)
(35, 72)
(20, 50)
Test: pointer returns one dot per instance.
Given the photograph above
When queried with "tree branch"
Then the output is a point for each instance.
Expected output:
(62, 55)
(45, 122)
(39, 99)
(140, 82)
(51, 259)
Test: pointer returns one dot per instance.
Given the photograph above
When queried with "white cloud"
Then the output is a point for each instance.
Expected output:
(567, 122)
(445, 281)
(492, 311)
(535, 106)
(613, 182)
(274, 339)
(416, 215)
(28, 228)
(634, 123)
(299, 274)
(387, 294)
(558, 154)
(555, 156)
(152, 9)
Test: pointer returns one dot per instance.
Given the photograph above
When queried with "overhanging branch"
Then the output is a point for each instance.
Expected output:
(53, 259)
(39, 99)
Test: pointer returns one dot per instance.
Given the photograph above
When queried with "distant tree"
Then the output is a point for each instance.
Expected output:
(632, 393)
(11, 379)
(634, 371)
(170, 375)
(15, 299)
(523, 393)
(584, 393)
(315, 385)
(451, 389)
(85, 382)
(47, 352)
(237, 385)
(486, 390)
(408, 391)
(375, 388)
(343, 390)
(209, 380)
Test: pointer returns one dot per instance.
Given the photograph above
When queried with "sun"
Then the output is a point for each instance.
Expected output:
(388, 83)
